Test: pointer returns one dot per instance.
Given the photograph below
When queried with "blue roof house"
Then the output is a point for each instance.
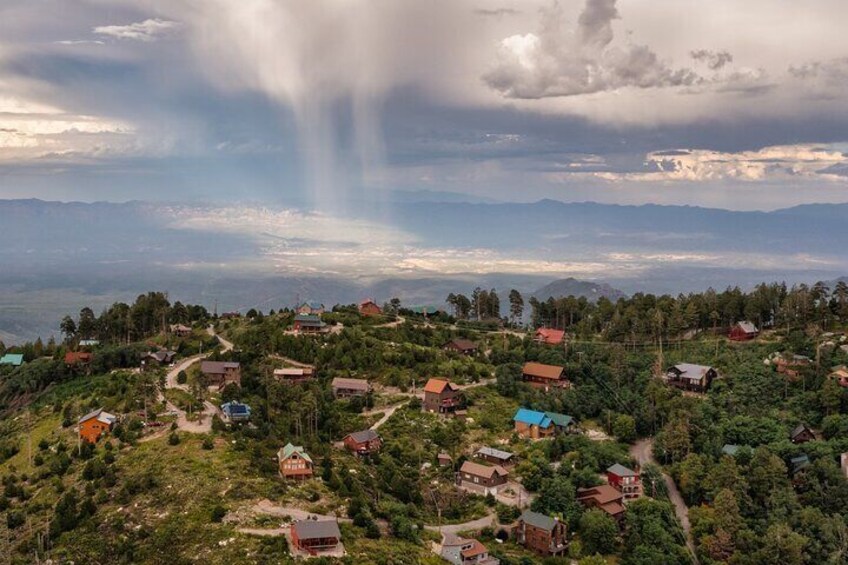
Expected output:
(13, 359)
(235, 411)
(535, 425)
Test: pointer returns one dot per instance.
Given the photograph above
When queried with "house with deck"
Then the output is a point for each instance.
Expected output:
(691, 377)
(363, 443)
(627, 481)
(495, 456)
(316, 536)
(540, 533)
(234, 411)
(545, 377)
(442, 397)
(792, 365)
(294, 463)
(95, 424)
(462, 551)
(309, 324)
(12, 359)
(532, 424)
(483, 479)
(294, 375)
(604, 497)
(221, 373)
(462, 346)
(549, 336)
(180, 330)
(743, 331)
(155, 359)
(347, 388)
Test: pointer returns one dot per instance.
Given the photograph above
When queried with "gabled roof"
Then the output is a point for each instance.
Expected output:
(602, 494)
(691, 370)
(217, 367)
(550, 335)
(353, 384)
(162, 356)
(799, 463)
(462, 344)
(235, 408)
(542, 371)
(560, 420)
(438, 386)
(496, 453)
(14, 359)
(312, 305)
(532, 418)
(364, 435)
(799, 429)
(621, 471)
(288, 450)
(309, 320)
(314, 529)
(747, 327)
(482, 470)
(538, 520)
(100, 416)
(475, 548)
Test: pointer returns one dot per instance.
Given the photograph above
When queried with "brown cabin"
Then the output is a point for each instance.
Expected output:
(743, 331)
(347, 388)
(294, 375)
(549, 336)
(605, 497)
(369, 308)
(294, 463)
(481, 478)
(316, 536)
(540, 533)
(691, 377)
(460, 345)
(802, 434)
(221, 373)
(539, 375)
(441, 396)
(363, 443)
(94, 424)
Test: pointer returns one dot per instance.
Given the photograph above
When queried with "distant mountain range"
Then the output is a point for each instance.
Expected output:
(56, 257)
(573, 287)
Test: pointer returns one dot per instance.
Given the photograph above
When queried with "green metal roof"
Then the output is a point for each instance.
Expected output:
(14, 359)
(290, 449)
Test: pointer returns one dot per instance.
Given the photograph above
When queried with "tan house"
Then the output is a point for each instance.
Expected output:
(347, 388)
(294, 375)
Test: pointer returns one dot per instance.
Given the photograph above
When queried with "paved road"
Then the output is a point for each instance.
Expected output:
(643, 452)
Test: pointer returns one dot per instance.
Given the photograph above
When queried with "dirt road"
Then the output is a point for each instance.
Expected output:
(479, 524)
(643, 452)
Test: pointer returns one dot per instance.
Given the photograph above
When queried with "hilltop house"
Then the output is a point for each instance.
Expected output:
(180, 330)
(13, 359)
(235, 411)
(441, 396)
(369, 308)
(482, 479)
(316, 536)
(540, 533)
(688, 376)
(743, 331)
(496, 456)
(309, 324)
(347, 388)
(294, 375)
(461, 551)
(539, 375)
(840, 374)
(94, 424)
(294, 463)
(605, 497)
(549, 336)
(363, 443)
(536, 425)
(221, 373)
(154, 359)
(627, 481)
(311, 308)
(461, 345)
(802, 434)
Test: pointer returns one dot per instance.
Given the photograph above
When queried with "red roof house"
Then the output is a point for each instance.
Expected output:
(369, 308)
(743, 331)
(549, 336)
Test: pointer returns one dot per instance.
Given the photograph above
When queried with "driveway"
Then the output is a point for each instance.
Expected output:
(473, 525)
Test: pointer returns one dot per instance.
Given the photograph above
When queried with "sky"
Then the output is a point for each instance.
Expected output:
(737, 105)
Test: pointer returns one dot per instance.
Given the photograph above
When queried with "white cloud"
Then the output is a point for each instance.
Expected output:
(770, 163)
(148, 30)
